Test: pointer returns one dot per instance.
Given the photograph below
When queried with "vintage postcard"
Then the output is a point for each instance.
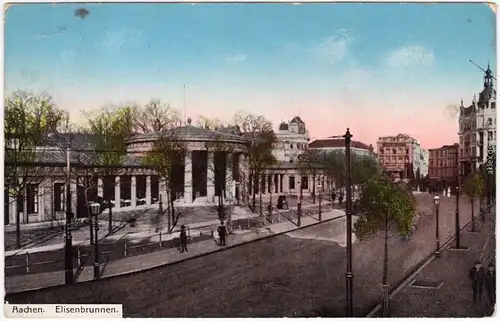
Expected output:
(249, 160)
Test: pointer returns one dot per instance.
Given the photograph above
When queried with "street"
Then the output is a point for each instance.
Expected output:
(275, 277)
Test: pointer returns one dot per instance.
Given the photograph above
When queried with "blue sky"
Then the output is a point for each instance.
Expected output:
(335, 65)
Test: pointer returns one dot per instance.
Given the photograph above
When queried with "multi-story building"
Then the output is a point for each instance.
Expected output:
(443, 163)
(334, 144)
(402, 157)
(292, 140)
(477, 127)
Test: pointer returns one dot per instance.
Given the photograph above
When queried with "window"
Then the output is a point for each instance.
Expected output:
(59, 196)
(394, 151)
(490, 122)
(490, 135)
(291, 146)
(291, 160)
(32, 195)
(291, 182)
(304, 182)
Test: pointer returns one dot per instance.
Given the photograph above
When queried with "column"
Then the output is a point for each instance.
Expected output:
(133, 191)
(210, 177)
(117, 192)
(281, 183)
(100, 187)
(243, 177)
(229, 176)
(73, 188)
(41, 202)
(188, 177)
(263, 184)
(148, 190)
(13, 209)
(162, 190)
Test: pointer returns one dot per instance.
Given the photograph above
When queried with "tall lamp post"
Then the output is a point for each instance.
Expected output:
(348, 213)
(96, 208)
(436, 203)
(69, 276)
(457, 202)
(319, 200)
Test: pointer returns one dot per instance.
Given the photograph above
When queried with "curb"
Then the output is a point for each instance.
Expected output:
(136, 271)
(416, 270)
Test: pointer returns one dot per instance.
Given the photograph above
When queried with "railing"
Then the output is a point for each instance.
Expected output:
(83, 254)
(118, 249)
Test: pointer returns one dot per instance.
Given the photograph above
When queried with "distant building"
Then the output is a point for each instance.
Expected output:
(292, 140)
(477, 127)
(443, 163)
(334, 144)
(402, 157)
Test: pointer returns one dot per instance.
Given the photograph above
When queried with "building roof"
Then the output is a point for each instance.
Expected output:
(190, 132)
(337, 143)
(445, 147)
(283, 126)
(297, 120)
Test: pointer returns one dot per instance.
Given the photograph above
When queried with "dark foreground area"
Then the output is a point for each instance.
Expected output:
(282, 276)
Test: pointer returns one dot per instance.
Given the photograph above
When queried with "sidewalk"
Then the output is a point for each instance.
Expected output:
(454, 297)
(158, 258)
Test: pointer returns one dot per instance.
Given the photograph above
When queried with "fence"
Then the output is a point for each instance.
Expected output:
(49, 261)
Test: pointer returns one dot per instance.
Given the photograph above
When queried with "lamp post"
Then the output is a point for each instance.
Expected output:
(96, 208)
(69, 276)
(299, 204)
(436, 203)
(348, 212)
(319, 200)
(457, 201)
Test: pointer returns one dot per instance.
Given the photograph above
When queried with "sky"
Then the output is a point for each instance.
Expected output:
(379, 69)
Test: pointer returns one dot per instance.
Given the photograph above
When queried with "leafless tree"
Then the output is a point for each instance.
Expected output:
(259, 131)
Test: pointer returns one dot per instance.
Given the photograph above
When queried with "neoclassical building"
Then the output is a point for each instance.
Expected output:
(214, 164)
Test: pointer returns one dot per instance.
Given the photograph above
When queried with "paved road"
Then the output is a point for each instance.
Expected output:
(279, 276)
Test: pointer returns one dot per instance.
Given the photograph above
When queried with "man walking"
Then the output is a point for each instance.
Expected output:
(222, 234)
(183, 238)
(476, 274)
(489, 283)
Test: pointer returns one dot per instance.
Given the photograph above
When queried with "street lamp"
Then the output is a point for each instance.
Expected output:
(69, 277)
(96, 208)
(319, 199)
(436, 203)
(348, 213)
(457, 201)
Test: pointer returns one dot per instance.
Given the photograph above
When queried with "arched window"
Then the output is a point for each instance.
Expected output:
(490, 122)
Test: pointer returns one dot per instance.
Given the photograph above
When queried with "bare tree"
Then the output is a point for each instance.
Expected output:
(208, 123)
(29, 121)
(167, 156)
(259, 131)
(220, 178)
(109, 129)
(155, 117)
(310, 164)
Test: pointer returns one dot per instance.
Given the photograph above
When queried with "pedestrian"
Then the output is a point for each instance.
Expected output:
(489, 283)
(341, 198)
(334, 196)
(222, 234)
(476, 274)
(183, 238)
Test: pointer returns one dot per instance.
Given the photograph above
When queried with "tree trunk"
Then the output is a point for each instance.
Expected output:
(385, 286)
(18, 228)
(89, 214)
(314, 190)
(472, 215)
(173, 224)
(260, 204)
(253, 200)
(110, 217)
